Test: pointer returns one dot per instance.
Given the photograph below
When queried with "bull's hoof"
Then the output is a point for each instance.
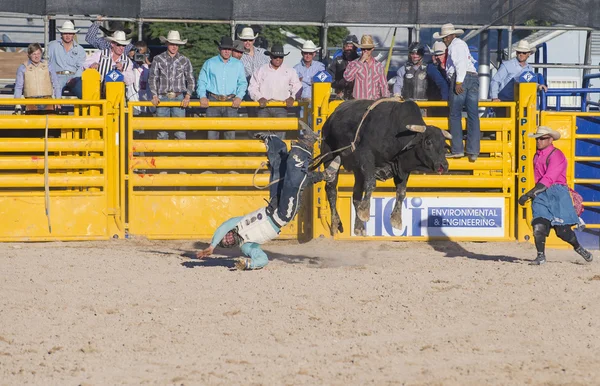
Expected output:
(396, 220)
(336, 226)
(364, 211)
(360, 232)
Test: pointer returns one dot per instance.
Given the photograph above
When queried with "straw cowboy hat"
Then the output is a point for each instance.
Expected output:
(447, 29)
(276, 50)
(247, 34)
(68, 28)
(366, 41)
(119, 38)
(524, 46)
(438, 48)
(309, 46)
(545, 130)
(173, 38)
(238, 45)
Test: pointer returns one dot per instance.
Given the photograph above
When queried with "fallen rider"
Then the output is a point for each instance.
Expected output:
(289, 175)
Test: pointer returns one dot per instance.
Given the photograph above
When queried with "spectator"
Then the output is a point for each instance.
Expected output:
(238, 50)
(102, 44)
(411, 80)
(254, 57)
(502, 85)
(464, 92)
(343, 88)
(104, 61)
(222, 79)
(367, 73)
(552, 205)
(66, 58)
(274, 81)
(171, 79)
(36, 79)
(308, 68)
(139, 90)
(438, 87)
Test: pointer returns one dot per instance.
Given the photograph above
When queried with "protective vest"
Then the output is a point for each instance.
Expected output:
(256, 227)
(106, 64)
(37, 82)
(415, 82)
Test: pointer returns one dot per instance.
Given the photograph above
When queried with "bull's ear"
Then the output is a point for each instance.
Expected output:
(417, 128)
(447, 135)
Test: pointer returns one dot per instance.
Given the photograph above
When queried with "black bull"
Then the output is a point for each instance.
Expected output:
(393, 140)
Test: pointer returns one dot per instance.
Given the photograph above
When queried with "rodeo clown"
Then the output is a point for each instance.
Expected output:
(289, 177)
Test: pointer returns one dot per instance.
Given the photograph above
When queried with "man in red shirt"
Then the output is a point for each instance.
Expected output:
(367, 73)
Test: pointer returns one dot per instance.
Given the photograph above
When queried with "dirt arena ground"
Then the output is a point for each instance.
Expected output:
(321, 313)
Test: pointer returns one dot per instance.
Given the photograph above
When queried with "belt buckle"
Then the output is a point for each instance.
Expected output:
(171, 95)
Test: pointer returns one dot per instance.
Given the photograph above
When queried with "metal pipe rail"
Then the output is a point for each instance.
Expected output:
(196, 146)
(224, 163)
(60, 181)
(37, 162)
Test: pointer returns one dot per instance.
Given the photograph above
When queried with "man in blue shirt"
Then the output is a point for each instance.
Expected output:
(308, 68)
(222, 79)
(289, 177)
(502, 85)
(67, 58)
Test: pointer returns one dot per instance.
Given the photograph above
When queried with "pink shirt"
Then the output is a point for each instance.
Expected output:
(369, 79)
(272, 84)
(555, 172)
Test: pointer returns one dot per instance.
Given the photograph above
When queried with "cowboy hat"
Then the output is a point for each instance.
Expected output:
(309, 46)
(115, 26)
(247, 34)
(238, 45)
(119, 38)
(366, 41)
(544, 130)
(276, 50)
(173, 38)
(523, 46)
(439, 48)
(68, 28)
(226, 43)
(447, 29)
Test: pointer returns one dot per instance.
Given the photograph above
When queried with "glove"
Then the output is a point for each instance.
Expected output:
(537, 189)
(18, 110)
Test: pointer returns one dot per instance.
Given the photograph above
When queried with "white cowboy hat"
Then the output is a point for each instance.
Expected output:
(438, 48)
(447, 29)
(545, 130)
(309, 46)
(68, 28)
(524, 46)
(119, 38)
(247, 34)
(173, 38)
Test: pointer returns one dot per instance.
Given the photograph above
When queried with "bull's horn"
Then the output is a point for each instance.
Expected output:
(303, 125)
(447, 134)
(417, 128)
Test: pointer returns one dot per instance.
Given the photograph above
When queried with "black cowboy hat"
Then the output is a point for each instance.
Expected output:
(115, 26)
(276, 50)
(226, 43)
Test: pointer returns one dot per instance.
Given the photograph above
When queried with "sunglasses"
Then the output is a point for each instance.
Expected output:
(542, 138)
(367, 49)
(523, 53)
(247, 40)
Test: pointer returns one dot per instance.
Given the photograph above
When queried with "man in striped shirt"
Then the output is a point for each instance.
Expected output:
(367, 74)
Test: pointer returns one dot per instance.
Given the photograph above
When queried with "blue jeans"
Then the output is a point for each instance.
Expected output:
(221, 112)
(291, 168)
(170, 112)
(70, 82)
(275, 112)
(469, 99)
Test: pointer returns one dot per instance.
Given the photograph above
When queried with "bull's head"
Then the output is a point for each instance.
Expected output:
(430, 148)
